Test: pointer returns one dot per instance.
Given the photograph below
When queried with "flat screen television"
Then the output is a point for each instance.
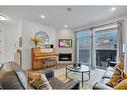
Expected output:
(65, 43)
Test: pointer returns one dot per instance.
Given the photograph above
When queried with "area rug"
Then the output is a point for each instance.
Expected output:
(96, 75)
(64, 79)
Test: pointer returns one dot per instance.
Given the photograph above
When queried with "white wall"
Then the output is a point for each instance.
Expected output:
(66, 34)
(29, 29)
(1, 43)
(11, 30)
(125, 69)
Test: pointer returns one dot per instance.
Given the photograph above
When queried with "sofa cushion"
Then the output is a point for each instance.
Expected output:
(108, 74)
(1, 86)
(21, 75)
(105, 80)
(6, 67)
(72, 84)
(56, 83)
(10, 80)
(101, 86)
(111, 69)
(122, 85)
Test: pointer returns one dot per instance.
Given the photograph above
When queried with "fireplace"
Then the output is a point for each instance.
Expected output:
(65, 57)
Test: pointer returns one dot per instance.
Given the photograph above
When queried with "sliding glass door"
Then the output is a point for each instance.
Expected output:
(97, 45)
(83, 46)
(106, 41)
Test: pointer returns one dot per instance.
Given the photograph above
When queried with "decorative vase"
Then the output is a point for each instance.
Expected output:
(36, 45)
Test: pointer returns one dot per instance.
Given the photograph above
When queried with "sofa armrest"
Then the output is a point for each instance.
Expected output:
(72, 85)
(1, 86)
(49, 74)
(100, 86)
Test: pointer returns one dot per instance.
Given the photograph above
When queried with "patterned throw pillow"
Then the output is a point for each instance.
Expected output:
(32, 75)
(37, 82)
(120, 65)
(118, 75)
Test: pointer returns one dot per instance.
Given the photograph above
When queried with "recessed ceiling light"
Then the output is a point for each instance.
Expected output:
(42, 16)
(113, 9)
(65, 26)
(3, 17)
(69, 9)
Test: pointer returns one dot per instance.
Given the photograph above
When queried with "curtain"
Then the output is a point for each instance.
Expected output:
(120, 40)
(93, 49)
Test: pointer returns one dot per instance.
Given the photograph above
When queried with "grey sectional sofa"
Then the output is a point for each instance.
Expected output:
(12, 76)
(106, 77)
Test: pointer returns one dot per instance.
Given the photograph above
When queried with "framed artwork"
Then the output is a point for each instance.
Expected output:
(65, 43)
(20, 41)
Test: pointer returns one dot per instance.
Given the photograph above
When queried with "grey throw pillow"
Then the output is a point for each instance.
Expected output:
(23, 78)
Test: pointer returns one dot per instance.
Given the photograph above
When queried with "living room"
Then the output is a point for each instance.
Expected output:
(78, 45)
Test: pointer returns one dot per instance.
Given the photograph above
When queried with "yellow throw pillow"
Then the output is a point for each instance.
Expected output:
(37, 82)
(32, 75)
(120, 65)
(117, 77)
(122, 85)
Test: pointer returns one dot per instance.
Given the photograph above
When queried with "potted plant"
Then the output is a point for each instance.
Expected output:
(36, 40)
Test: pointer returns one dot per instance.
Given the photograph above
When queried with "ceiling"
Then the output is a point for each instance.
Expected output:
(58, 16)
